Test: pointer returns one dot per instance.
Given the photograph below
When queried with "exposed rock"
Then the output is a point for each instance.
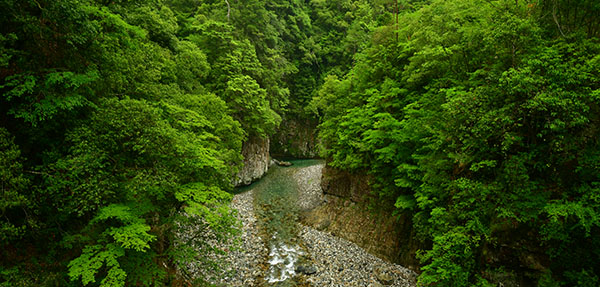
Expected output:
(346, 185)
(308, 179)
(281, 162)
(306, 269)
(256, 161)
(345, 213)
(296, 138)
(384, 276)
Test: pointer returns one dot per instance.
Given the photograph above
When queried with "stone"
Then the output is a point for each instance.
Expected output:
(306, 269)
(296, 138)
(285, 163)
(281, 162)
(323, 224)
(384, 277)
(256, 161)
(327, 261)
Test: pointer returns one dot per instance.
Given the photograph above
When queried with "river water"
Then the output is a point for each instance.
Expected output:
(277, 211)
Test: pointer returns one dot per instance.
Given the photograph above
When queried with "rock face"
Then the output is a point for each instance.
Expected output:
(256, 161)
(342, 184)
(296, 138)
(345, 214)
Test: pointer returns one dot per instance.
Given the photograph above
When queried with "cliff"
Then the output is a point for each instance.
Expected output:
(296, 138)
(256, 161)
(346, 214)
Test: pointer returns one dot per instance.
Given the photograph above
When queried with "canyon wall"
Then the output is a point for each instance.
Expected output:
(296, 138)
(256, 161)
(346, 214)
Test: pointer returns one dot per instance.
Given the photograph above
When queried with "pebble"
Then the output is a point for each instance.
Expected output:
(336, 262)
(252, 251)
(358, 268)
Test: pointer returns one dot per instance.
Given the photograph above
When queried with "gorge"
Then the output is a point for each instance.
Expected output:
(305, 142)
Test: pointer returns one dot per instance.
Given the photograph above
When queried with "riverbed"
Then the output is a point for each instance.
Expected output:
(276, 250)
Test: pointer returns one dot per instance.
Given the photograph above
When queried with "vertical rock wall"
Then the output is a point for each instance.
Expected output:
(256, 161)
(296, 138)
(346, 214)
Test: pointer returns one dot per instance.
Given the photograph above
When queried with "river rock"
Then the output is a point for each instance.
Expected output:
(306, 269)
(331, 254)
(384, 276)
(327, 260)
(282, 162)
(285, 163)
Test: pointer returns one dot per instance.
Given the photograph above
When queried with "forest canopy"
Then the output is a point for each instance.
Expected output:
(479, 119)
(481, 122)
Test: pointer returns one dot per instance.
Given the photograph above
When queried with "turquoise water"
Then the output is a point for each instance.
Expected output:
(275, 205)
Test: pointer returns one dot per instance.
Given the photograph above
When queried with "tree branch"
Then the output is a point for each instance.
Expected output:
(556, 19)
(228, 10)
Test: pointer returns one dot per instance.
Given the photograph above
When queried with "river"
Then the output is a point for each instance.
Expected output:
(277, 250)
(277, 212)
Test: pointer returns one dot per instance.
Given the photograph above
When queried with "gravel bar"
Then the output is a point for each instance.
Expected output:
(244, 263)
(342, 263)
(338, 262)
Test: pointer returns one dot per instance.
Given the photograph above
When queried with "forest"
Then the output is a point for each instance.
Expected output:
(121, 119)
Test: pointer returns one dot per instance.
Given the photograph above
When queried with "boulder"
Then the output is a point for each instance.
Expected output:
(306, 269)
(384, 276)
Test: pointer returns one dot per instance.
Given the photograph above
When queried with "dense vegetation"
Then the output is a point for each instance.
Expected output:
(115, 118)
(482, 121)
(479, 119)
(118, 116)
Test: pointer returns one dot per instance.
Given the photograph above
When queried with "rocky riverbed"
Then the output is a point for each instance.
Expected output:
(326, 259)
(244, 264)
(342, 263)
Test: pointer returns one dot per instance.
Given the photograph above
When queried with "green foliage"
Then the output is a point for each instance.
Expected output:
(120, 118)
(95, 257)
(248, 101)
(14, 186)
(64, 91)
(123, 128)
(134, 232)
(482, 129)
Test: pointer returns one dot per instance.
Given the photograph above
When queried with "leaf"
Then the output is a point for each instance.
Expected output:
(93, 259)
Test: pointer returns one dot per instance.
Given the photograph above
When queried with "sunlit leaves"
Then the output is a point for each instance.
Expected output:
(482, 129)
(133, 230)
(248, 102)
(94, 259)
